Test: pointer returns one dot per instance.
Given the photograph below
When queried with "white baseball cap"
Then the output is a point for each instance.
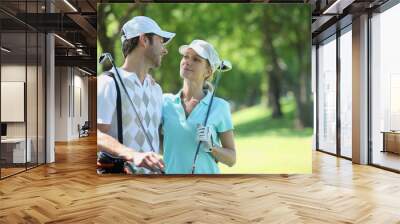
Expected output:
(141, 25)
(207, 51)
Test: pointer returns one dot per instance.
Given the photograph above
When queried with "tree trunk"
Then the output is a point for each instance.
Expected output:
(274, 79)
(274, 94)
(252, 100)
(302, 92)
(304, 104)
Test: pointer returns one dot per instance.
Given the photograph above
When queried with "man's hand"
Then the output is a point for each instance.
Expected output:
(127, 154)
(149, 160)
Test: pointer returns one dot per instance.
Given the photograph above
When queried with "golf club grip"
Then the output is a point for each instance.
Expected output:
(204, 124)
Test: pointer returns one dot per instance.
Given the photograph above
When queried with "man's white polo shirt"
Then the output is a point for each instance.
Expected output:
(147, 99)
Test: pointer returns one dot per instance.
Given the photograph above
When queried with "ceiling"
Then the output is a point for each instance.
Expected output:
(74, 22)
(330, 15)
(325, 13)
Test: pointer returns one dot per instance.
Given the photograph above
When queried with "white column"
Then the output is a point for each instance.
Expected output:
(360, 90)
(50, 110)
(50, 93)
(314, 93)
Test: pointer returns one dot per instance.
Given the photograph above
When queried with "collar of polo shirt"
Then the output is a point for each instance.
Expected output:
(205, 100)
(134, 76)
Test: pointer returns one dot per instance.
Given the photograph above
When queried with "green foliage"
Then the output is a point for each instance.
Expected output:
(257, 120)
(266, 145)
(236, 31)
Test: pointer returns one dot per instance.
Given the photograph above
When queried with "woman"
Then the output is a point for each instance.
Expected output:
(184, 114)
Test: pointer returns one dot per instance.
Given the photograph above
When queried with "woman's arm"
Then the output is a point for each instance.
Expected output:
(227, 153)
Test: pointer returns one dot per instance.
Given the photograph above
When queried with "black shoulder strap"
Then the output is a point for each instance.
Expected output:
(119, 108)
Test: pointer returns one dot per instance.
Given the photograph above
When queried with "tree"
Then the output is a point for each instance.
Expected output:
(107, 39)
(268, 46)
(297, 53)
(269, 27)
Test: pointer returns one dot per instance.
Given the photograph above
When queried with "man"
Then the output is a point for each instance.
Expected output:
(143, 46)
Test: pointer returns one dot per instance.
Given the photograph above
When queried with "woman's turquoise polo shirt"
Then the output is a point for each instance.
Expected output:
(180, 142)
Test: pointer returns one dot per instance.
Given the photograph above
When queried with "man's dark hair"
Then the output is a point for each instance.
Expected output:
(130, 44)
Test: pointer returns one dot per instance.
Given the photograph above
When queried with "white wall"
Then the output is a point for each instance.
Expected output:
(80, 100)
(33, 126)
(12, 73)
(71, 93)
(61, 103)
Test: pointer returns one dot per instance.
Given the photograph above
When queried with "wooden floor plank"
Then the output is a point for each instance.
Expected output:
(70, 191)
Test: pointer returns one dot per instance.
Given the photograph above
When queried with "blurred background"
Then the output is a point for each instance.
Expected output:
(269, 87)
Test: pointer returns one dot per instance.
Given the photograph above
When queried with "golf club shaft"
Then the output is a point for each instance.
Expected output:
(206, 119)
(133, 106)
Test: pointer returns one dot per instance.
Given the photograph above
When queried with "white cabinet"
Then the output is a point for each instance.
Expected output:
(17, 147)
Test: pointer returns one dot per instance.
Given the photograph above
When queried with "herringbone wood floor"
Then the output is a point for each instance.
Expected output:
(70, 191)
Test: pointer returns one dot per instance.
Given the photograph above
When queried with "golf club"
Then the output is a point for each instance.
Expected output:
(102, 59)
(224, 67)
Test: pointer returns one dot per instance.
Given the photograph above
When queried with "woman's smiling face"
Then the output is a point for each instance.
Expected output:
(194, 67)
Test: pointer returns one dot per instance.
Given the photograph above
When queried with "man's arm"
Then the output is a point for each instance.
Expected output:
(110, 145)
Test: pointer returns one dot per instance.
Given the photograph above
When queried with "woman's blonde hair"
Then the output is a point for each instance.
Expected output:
(224, 66)
(207, 85)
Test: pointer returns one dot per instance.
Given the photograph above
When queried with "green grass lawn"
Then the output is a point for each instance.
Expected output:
(266, 145)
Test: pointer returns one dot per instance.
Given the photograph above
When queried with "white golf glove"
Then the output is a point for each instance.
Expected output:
(204, 136)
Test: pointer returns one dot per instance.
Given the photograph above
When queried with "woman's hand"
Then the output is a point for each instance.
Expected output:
(227, 153)
(204, 136)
